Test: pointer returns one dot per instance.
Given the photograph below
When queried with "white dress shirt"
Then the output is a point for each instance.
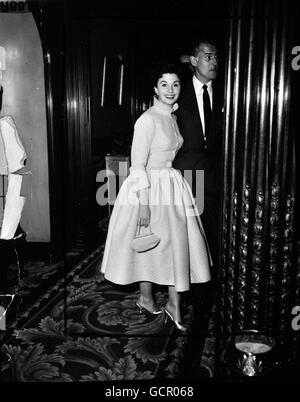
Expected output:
(198, 85)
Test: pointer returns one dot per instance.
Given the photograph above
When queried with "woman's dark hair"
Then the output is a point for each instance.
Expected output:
(164, 68)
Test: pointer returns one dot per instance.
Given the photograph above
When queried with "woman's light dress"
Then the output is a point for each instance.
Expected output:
(182, 256)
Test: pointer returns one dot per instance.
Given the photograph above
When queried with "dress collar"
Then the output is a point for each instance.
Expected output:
(162, 107)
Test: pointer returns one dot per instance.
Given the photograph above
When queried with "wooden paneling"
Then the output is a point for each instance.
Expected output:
(78, 165)
(65, 45)
(49, 21)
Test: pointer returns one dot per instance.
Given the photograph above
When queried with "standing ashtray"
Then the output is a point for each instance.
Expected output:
(251, 353)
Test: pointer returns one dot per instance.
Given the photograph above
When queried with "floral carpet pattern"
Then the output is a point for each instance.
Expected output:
(86, 329)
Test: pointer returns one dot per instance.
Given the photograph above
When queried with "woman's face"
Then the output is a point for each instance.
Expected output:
(168, 88)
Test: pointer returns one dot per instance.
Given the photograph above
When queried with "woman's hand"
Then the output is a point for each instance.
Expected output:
(144, 215)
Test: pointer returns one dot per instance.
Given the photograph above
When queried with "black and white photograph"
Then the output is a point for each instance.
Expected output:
(149, 194)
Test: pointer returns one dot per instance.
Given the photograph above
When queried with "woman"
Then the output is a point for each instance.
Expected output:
(158, 196)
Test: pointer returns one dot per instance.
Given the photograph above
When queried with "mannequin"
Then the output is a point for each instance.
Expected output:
(12, 171)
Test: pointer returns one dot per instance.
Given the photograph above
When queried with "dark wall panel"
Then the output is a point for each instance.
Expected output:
(259, 270)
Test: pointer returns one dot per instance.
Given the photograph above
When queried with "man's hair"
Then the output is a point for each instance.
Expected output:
(201, 40)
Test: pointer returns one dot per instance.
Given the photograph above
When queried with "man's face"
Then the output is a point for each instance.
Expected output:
(205, 62)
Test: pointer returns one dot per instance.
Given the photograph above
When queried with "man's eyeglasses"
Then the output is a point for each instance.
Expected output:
(210, 57)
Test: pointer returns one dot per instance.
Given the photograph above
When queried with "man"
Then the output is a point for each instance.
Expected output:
(200, 123)
(202, 133)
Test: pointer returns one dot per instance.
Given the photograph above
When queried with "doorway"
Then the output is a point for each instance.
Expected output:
(123, 53)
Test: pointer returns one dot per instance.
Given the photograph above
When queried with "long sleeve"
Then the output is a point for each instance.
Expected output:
(141, 143)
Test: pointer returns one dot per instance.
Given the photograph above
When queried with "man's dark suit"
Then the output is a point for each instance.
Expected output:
(196, 154)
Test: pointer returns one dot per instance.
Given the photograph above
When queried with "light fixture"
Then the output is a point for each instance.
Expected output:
(184, 58)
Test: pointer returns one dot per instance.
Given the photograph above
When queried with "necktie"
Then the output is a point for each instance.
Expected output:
(207, 110)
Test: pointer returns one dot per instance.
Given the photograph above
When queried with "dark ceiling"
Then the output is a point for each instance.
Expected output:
(149, 8)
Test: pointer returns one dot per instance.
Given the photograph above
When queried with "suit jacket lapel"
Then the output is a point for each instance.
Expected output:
(215, 115)
(189, 101)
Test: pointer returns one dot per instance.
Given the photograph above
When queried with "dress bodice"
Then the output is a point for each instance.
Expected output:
(166, 140)
(157, 138)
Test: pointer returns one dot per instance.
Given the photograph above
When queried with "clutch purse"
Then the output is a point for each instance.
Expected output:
(144, 242)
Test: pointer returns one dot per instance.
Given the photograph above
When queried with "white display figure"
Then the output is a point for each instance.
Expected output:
(12, 164)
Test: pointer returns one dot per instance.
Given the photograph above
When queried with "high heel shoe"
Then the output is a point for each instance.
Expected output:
(177, 324)
(142, 308)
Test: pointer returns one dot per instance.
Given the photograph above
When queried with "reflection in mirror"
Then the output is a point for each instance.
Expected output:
(112, 81)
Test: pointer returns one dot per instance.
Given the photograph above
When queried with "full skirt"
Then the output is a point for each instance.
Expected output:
(182, 257)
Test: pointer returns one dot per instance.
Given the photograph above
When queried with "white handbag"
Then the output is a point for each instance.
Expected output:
(143, 242)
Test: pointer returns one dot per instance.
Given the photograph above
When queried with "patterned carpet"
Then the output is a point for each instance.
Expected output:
(91, 330)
